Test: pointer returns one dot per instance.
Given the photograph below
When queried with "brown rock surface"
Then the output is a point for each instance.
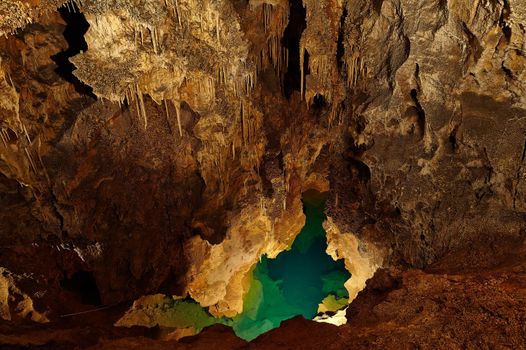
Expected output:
(211, 118)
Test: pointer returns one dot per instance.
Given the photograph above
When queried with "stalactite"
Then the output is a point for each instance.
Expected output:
(178, 116)
(154, 39)
(178, 13)
(249, 129)
(247, 88)
(243, 123)
(137, 107)
(26, 134)
(30, 160)
(39, 145)
(142, 107)
(126, 98)
(167, 111)
(356, 69)
(274, 20)
(245, 186)
(217, 30)
(302, 70)
(248, 123)
(170, 6)
(79, 3)
(222, 75)
(335, 114)
(267, 15)
(209, 88)
(3, 136)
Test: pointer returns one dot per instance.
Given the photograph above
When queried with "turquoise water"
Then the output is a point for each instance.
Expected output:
(296, 281)
(293, 284)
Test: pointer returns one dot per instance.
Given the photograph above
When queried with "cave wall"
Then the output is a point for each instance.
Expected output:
(211, 118)
(440, 127)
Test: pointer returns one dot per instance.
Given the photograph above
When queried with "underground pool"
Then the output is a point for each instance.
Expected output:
(303, 280)
(297, 281)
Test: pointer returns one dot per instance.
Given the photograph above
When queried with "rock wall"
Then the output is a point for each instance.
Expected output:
(211, 118)
(440, 125)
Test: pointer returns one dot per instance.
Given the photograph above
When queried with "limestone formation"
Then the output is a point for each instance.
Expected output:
(163, 146)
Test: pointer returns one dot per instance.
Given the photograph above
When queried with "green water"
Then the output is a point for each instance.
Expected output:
(188, 313)
(296, 281)
(293, 284)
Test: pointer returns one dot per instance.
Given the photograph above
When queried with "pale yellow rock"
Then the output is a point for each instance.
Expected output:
(330, 303)
(145, 311)
(362, 259)
(338, 319)
(16, 14)
(180, 333)
(14, 302)
(217, 280)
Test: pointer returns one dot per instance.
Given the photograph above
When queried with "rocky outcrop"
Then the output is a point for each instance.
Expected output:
(10, 294)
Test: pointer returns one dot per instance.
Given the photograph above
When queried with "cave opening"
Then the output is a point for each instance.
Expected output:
(76, 27)
(291, 41)
(83, 286)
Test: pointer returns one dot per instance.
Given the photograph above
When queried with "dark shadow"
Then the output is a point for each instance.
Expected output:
(420, 112)
(76, 27)
(291, 41)
(340, 48)
(83, 285)
(319, 102)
